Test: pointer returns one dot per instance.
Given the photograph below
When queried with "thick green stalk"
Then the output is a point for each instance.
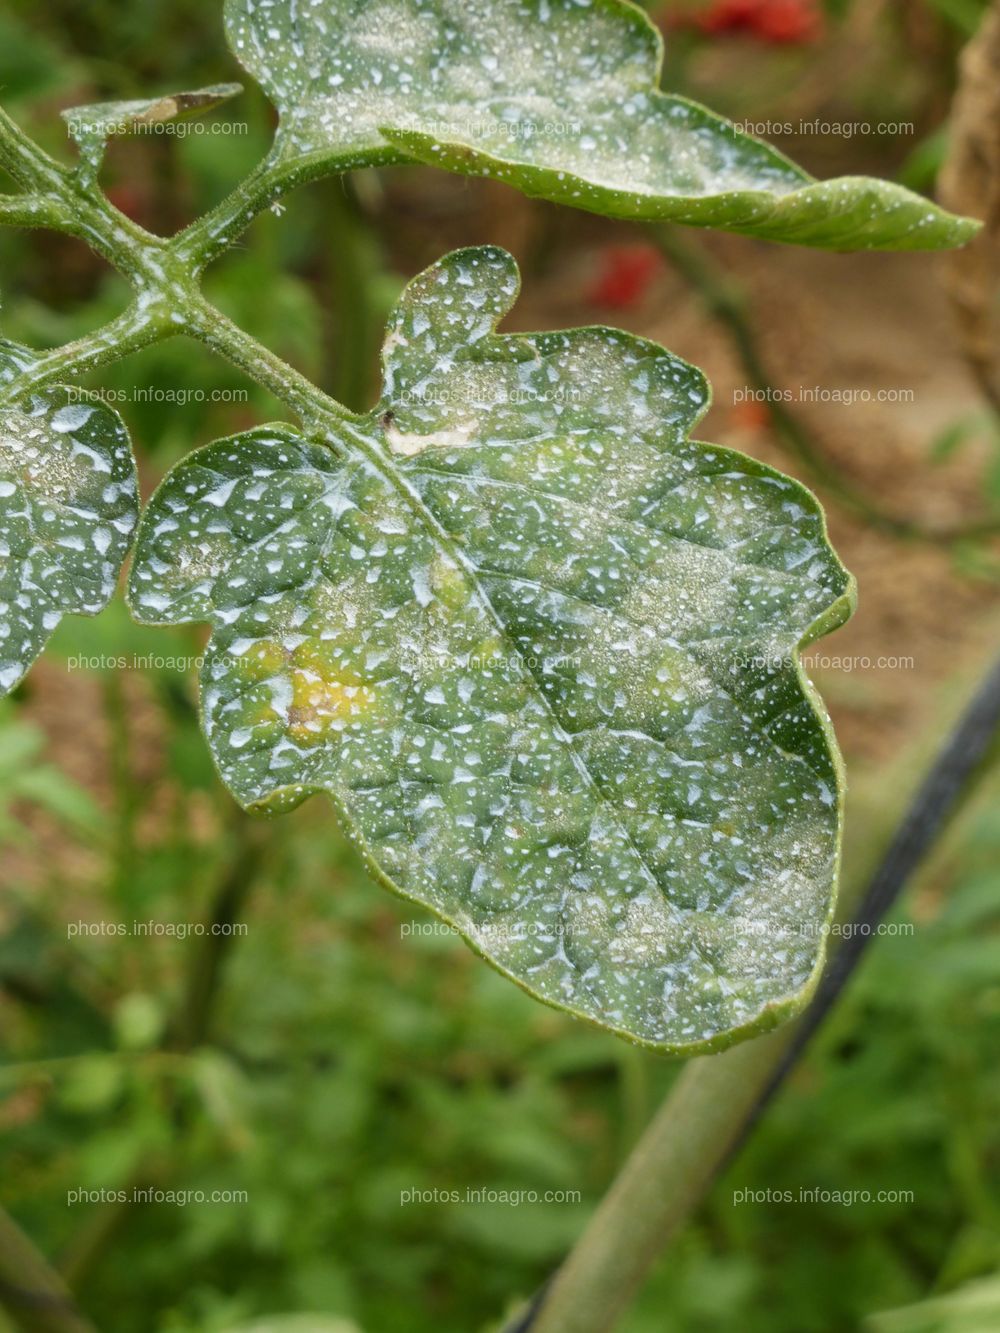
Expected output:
(133, 329)
(59, 197)
(214, 233)
(662, 1181)
(31, 1291)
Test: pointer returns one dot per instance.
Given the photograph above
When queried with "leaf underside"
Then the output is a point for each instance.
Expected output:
(68, 508)
(559, 98)
(541, 650)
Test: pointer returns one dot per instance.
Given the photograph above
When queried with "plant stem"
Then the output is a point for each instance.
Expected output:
(28, 164)
(164, 273)
(126, 795)
(213, 233)
(128, 332)
(950, 778)
(663, 1180)
(718, 1098)
(210, 326)
(32, 210)
(32, 1291)
(198, 1005)
(970, 179)
(64, 201)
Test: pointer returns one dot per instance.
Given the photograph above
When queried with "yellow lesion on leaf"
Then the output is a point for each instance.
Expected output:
(321, 695)
(317, 703)
(449, 585)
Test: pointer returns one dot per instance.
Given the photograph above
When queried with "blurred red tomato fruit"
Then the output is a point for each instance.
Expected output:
(783, 22)
(626, 274)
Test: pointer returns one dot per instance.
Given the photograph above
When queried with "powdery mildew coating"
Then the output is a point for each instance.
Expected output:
(540, 649)
(558, 97)
(68, 507)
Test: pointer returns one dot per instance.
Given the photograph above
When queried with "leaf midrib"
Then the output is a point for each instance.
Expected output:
(382, 465)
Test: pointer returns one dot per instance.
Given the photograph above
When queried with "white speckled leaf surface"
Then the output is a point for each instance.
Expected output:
(68, 507)
(541, 650)
(560, 98)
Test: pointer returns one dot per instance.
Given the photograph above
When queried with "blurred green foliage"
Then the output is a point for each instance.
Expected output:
(363, 1072)
(336, 1063)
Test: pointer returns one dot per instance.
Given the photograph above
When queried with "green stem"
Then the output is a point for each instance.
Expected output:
(31, 1291)
(274, 177)
(28, 164)
(33, 210)
(204, 980)
(213, 233)
(126, 796)
(211, 327)
(164, 273)
(66, 202)
(667, 1174)
(133, 329)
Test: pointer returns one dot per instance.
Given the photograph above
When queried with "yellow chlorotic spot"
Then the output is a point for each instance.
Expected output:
(319, 703)
(449, 584)
(486, 653)
(319, 699)
(264, 660)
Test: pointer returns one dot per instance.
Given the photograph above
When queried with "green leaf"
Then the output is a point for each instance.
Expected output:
(92, 126)
(559, 98)
(68, 507)
(541, 651)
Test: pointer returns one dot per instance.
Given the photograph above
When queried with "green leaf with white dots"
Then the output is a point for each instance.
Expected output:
(68, 508)
(541, 650)
(559, 98)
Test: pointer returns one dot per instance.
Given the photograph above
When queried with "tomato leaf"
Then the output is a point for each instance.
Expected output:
(541, 650)
(68, 508)
(559, 98)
